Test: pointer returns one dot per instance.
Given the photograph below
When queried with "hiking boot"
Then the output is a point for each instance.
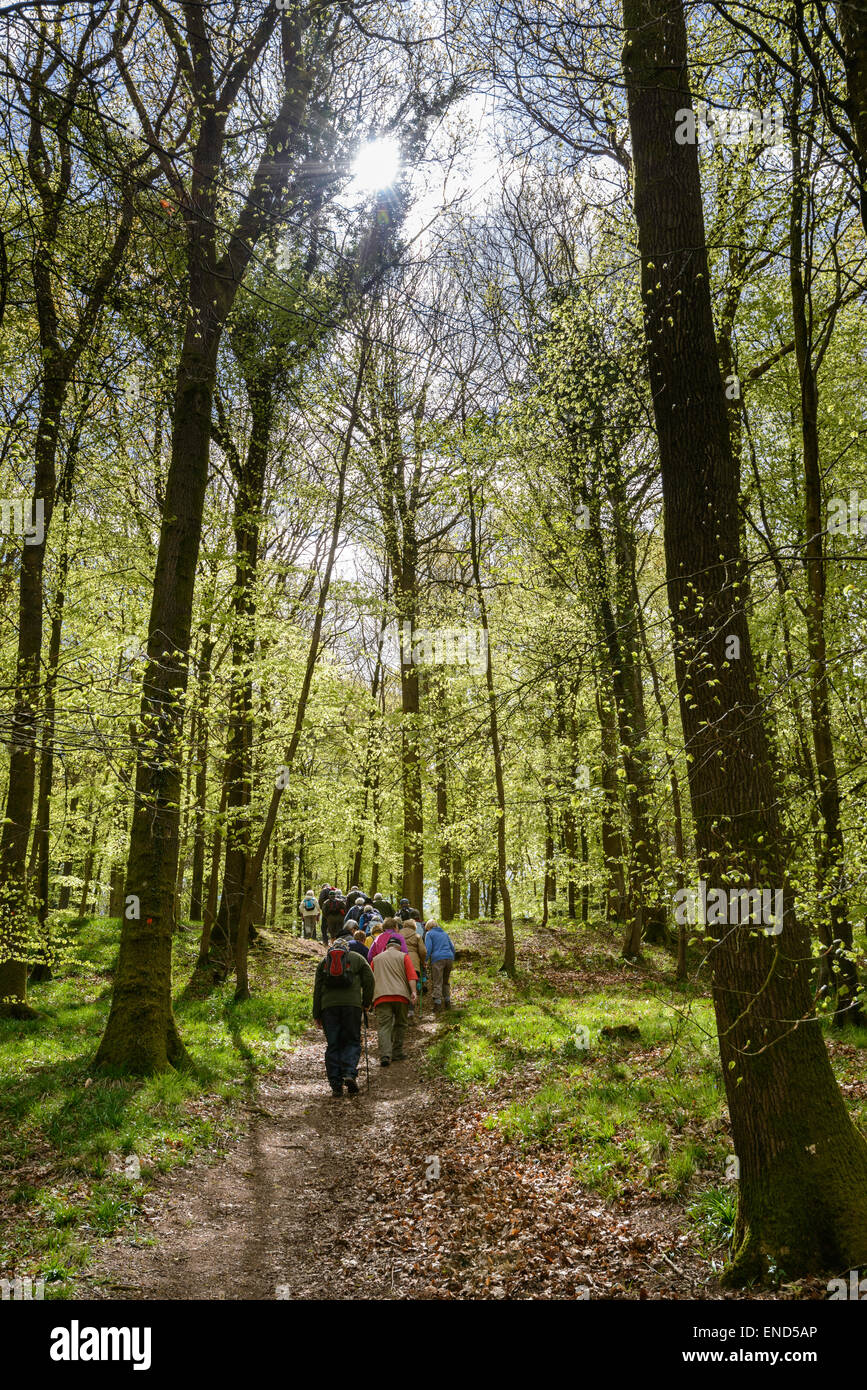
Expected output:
(337, 1091)
(384, 1061)
(351, 1085)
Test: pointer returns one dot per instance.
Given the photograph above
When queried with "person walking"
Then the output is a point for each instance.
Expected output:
(441, 958)
(333, 914)
(417, 952)
(383, 906)
(390, 929)
(310, 914)
(394, 990)
(342, 990)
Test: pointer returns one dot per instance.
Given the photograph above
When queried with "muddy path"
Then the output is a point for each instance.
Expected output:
(279, 1215)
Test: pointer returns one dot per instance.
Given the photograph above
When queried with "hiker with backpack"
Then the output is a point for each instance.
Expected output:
(394, 990)
(333, 914)
(390, 929)
(383, 907)
(441, 958)
(342, 990)
(369, 920)
(348, 936)
(355, 909)
(354, 895)
(324, 894)
(310, 914)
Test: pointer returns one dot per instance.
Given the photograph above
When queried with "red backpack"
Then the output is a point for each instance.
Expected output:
(337, 971)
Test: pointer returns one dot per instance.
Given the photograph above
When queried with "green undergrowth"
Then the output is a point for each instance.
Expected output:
(642, 1115)
(78, 1151)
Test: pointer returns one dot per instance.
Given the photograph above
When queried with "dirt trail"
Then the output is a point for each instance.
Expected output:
(278, 1215)
(329, 1198)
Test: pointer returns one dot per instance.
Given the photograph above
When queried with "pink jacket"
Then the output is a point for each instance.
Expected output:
(382, 941)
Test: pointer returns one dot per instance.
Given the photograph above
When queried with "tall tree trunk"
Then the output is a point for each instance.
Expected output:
(42, 835)
(65, 893)
(250, 482)
(833, 899)
(289, 885)
(496, 749)
(441, 768)
(206, 653)
(209, 912)
(585, 883)
(613, 850)
(59, 362)
(547, 884)
(141, 1033)
(802, 1199)
(457, 875)
(87, 871)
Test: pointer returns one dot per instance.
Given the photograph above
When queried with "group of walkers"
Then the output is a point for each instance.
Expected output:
(374, 958)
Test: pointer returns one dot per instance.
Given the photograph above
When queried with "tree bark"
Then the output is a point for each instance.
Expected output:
(802, 1200)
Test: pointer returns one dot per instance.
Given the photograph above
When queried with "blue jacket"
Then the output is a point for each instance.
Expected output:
(439, 945)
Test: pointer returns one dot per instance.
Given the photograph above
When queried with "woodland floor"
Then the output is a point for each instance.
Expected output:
(564, 1171)
(322, 1198)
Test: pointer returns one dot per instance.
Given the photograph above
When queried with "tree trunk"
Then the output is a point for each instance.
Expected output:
(496, 749)
(209, 913)
(198, 874)
(613, 850)
(445, 850)
(833, 899)
(473, 905)
(87, 872)
(250, 482)
(853, 32)
(585, 884)
(803, 1166)
(141, 1033)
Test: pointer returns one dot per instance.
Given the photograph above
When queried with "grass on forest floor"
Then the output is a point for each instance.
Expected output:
(72, 1143)
(640, 1116)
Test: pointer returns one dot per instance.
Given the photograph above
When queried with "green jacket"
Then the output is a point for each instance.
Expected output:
(359, 992)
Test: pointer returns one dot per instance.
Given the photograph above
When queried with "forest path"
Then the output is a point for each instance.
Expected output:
(279, 1215)
(339, 1198)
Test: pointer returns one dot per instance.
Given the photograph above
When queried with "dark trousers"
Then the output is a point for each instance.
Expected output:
(341, 1025)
